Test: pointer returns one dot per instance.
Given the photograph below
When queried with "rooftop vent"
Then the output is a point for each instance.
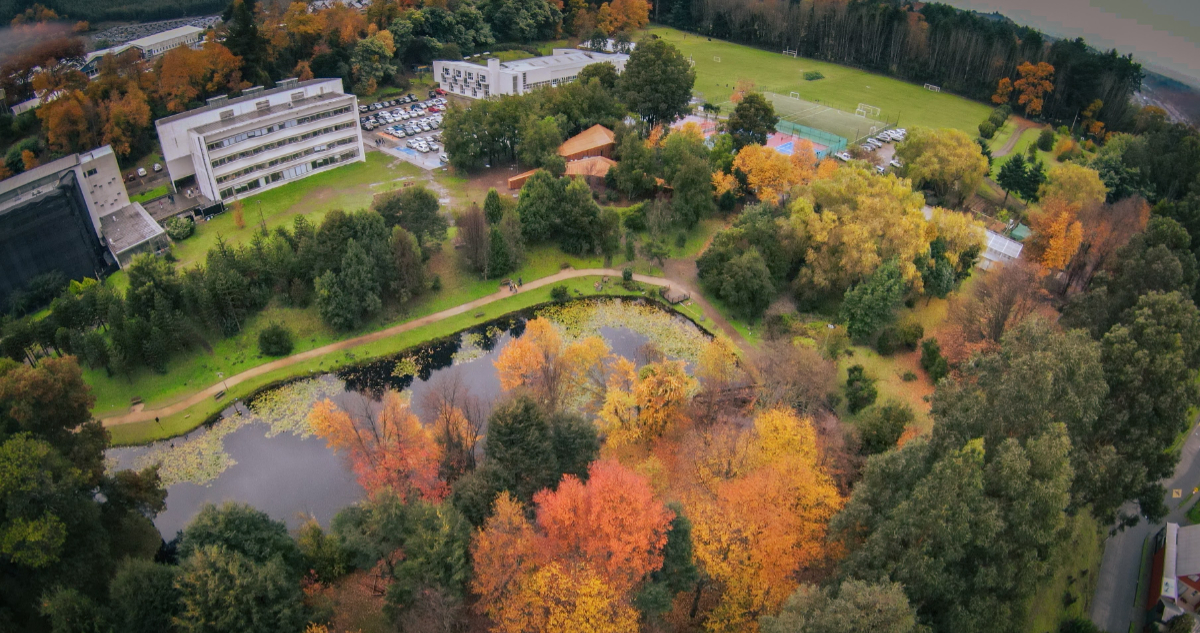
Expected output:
(290, 82)
(265, 104)
(218, 100)
(252, 91)
(226, 115)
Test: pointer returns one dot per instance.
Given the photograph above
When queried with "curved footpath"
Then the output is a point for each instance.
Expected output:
(198, 397)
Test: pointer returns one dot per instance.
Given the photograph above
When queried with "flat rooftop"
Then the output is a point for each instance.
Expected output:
(128, 227)
(561, 57)
(223, 124)
(30, 184)
(158, 38)
(284, 85)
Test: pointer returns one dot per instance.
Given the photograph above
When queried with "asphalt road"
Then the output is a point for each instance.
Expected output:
(1113, 607)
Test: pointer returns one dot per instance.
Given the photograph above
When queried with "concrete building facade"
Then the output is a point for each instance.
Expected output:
(518, 77)
(152, 46)
(72, 215)
(262, 139)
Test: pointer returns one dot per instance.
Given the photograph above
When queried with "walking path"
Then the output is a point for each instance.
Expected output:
(147, 414)
(1022, 124)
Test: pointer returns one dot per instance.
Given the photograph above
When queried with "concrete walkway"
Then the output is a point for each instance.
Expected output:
(147, 414)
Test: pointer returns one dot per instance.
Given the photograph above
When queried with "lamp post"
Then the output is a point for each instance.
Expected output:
(221, 375)
(261, 221)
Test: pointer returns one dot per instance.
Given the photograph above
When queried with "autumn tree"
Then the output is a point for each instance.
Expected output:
(945, 158)
(388, 448)
(613, 523)
(863, 220)
(1074, 184)
(998, 301)
(1057, 233)
(1004, 90)
(768, 173)
(554, 372)
(642, 405)
(560, 597)
(1034, 84)
(756, 526)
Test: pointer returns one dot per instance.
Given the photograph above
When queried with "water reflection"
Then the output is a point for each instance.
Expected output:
(292, 476)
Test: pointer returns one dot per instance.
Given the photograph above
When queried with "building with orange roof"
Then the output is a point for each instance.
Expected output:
(594, 141)
(592, 169)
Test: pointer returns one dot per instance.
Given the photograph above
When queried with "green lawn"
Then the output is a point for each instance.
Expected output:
(1027, 138)
(1072, 580)
(142, 432)
(349, 188)
(842, 87)
(1000, 139)
(145, 196)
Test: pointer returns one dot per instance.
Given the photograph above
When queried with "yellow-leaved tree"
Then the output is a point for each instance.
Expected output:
(947, 159)
(641, 406)
(1074, 184)
(864, 220)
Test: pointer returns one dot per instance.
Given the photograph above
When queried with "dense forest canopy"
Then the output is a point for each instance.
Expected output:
(122, 10)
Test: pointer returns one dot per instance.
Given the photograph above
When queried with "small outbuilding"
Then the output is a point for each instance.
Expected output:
(594, 141)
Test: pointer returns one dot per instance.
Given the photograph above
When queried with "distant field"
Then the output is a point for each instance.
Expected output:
(842, 87)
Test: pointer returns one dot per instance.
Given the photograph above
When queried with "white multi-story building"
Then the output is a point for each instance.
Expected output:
(262, 139)
(518, 77)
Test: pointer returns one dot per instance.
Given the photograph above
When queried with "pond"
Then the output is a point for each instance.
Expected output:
(261, 452)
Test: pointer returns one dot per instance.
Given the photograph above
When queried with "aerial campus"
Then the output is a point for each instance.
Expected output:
(531, 316)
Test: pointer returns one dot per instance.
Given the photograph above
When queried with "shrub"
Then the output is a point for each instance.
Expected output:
(436, 284)
(888, 341)
(860, 390)
(1045, 140)
(635, 218)
(987, 129)
(813, 75)
(932, 360)
(560, 293)
(681, 240)
(1000, 114)
(179, 228)
(1063, 130)
(627, 274)
(881, 427)
(909, 376)
(275, 340)
(910, 333)
(1067, 149)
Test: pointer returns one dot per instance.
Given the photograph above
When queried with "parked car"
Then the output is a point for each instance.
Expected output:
(141, 172)
(157, 167)
(895, 163)
(880, 169)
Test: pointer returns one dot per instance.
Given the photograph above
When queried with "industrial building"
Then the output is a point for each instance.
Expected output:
(262, 139)
(72, 215)
(518, 77)
(148, 47)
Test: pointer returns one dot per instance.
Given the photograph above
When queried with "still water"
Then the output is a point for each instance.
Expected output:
(292, 475)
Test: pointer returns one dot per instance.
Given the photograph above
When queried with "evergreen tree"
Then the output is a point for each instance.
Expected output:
(1012, 175)
(870, 305)
(245, 41)
(492, 207)
(752, 120)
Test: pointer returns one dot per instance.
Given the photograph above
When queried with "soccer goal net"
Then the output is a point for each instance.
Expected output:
(716, 59)
(794, 95)
(789, 52)
(933, 88)
(867, 111)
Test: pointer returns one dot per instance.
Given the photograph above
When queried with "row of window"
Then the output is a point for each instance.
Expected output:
(217, 162)
(286, 159)
(263, 131)
(290, 172)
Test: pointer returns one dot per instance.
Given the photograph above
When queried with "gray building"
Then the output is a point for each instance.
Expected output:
(71, 215)
(262, 139)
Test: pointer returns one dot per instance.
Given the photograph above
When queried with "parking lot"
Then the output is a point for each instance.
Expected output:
(407, 127)
(880, 150)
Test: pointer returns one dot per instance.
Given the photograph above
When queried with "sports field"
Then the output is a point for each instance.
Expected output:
(843, 88)
(848, 125)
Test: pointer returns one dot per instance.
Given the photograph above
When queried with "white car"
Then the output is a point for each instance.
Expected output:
(141, 172)
(880, 169)
(157, 167)
(895, 163)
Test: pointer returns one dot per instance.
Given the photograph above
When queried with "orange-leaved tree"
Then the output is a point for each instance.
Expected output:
(503, 551)
(754, 532)
(1003, 91)
(554, 372)
(1035, 83)
(804, 161)
(1057, 233)
(768, 173)
(613, 523)
(388, 449)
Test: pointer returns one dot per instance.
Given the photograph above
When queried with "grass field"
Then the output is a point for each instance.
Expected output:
(349, 188)
(144, 196)
(842, 87)
(1075, 567)
(1027, 138)
(142, 432)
